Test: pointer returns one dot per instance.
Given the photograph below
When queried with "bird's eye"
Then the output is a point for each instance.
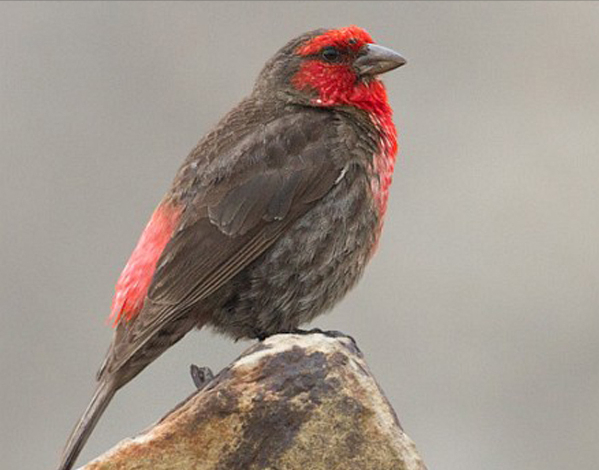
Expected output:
(330, 54)
(352, 41)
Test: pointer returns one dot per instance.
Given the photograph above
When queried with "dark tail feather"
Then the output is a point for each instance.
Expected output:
(86, 424)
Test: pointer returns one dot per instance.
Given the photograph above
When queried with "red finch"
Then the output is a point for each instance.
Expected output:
(272, 217)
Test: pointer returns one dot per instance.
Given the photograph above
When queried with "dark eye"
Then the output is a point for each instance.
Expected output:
(352, 41)
(330, 54)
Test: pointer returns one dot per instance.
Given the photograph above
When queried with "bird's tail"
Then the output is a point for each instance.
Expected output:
(86, 424)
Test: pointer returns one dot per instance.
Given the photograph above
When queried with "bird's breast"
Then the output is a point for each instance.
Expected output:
(311, 267)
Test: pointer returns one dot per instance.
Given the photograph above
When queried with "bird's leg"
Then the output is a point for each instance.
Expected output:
(200, 376)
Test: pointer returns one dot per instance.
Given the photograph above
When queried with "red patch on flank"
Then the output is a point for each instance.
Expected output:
(134, 282)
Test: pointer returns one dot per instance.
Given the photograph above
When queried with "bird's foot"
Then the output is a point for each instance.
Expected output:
(260, 335)
(329, 333)
(201, 376)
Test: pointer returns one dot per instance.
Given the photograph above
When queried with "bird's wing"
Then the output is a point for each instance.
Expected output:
(240, 212)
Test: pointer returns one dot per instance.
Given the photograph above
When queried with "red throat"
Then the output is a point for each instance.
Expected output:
(134, 282)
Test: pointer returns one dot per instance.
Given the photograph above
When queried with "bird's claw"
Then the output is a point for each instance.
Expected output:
(260, 335)
(201, 376)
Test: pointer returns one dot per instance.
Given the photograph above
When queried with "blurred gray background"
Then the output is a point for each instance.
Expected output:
(478, 315)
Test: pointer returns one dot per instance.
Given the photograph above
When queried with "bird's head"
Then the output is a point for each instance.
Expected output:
(325, 68)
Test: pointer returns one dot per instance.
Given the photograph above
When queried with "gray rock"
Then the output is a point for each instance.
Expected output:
(292, 402)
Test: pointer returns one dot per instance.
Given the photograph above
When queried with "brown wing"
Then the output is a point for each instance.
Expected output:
(235, 216)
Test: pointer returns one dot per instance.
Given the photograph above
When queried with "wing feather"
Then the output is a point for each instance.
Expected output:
(228, 224)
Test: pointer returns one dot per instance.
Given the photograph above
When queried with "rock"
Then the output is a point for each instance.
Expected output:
(291, 402)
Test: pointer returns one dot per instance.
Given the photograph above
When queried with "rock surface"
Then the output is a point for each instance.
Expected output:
(290, 402)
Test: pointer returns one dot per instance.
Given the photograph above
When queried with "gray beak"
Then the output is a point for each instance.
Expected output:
(375, 59)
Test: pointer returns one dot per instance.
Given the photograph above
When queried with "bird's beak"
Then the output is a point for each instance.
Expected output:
(374, 60)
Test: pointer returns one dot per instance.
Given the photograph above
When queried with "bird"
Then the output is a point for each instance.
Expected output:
(272, 217)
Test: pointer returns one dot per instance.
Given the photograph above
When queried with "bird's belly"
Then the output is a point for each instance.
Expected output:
(311, 267)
